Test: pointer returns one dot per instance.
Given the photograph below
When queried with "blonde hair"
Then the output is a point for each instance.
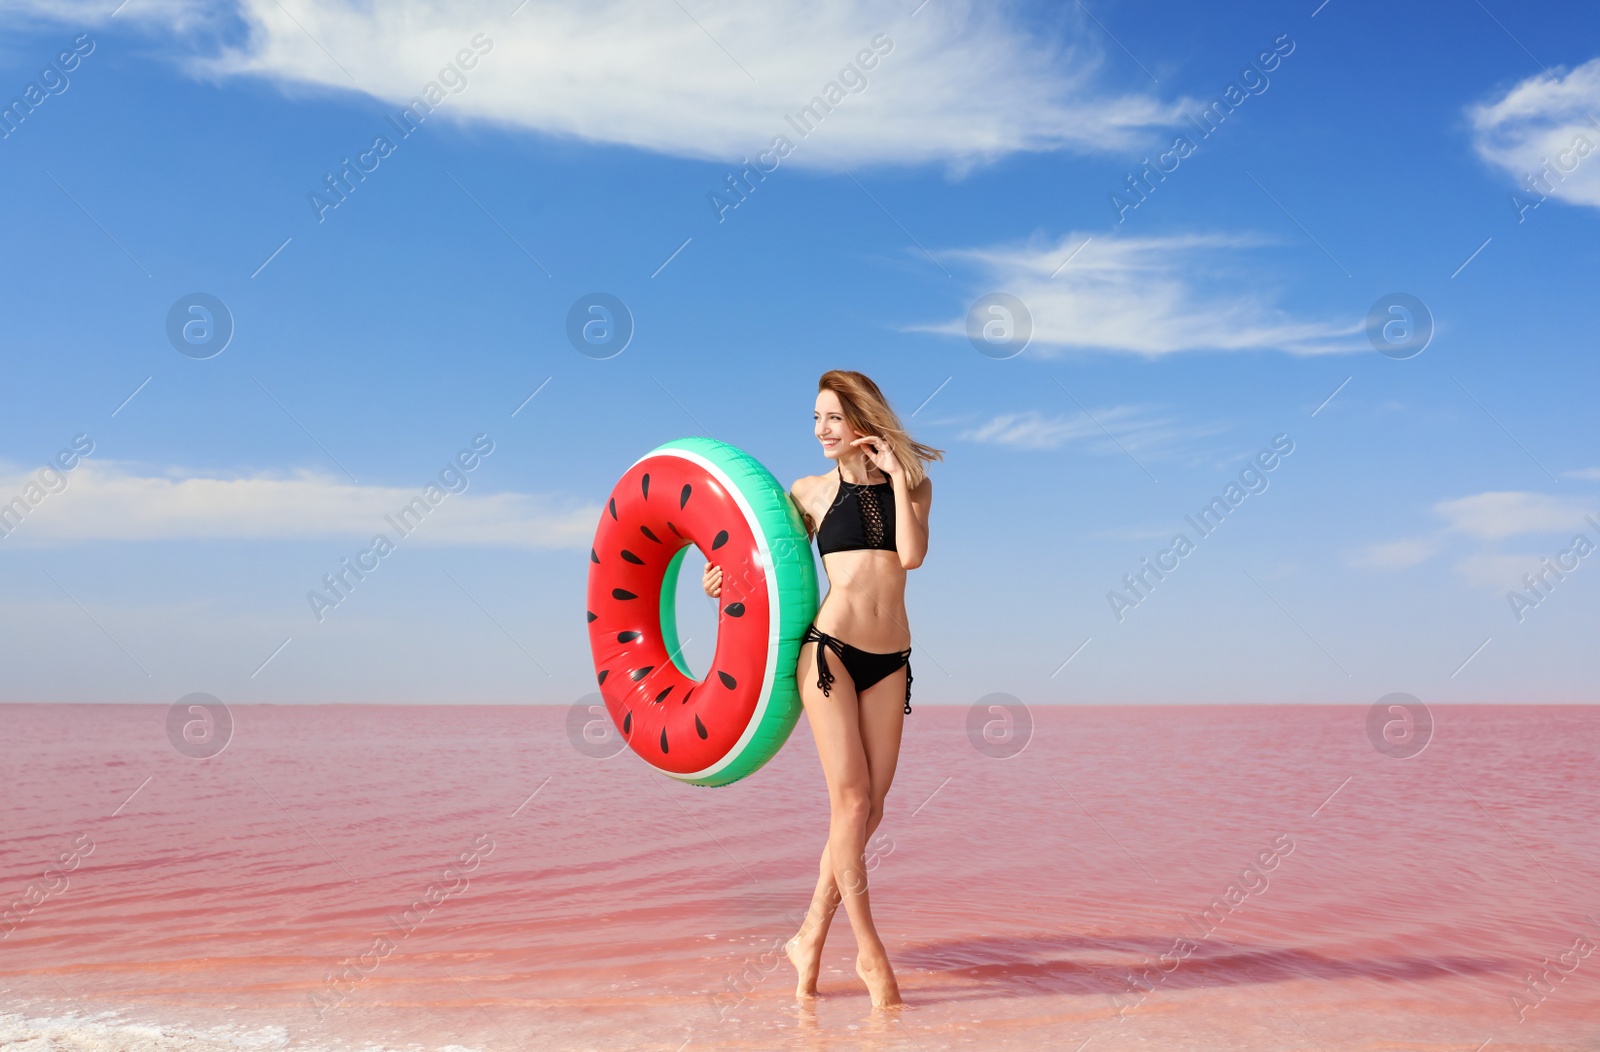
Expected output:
(867, 412)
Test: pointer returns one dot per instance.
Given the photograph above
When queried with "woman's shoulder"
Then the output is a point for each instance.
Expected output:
(804, 493)
(806, 485)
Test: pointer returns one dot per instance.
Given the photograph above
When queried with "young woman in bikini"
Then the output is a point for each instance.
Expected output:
(871, 526)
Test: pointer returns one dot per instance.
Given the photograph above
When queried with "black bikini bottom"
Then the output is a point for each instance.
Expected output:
(865, 667)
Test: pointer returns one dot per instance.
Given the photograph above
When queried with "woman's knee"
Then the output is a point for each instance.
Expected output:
(851, 806)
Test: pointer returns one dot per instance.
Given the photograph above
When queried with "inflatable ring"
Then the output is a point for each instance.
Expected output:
(708, 494)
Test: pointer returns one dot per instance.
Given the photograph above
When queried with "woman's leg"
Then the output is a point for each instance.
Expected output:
(857, 742)
(881, 726)
(805, 949)
(830, 717)
(882, 716)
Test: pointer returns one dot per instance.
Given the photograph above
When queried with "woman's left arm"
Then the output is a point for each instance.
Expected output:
(910, 503)
(911, 519)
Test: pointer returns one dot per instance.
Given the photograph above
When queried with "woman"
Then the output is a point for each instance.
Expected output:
(871, 526)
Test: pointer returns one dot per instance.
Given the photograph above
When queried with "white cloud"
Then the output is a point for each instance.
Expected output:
(707, 79)
(1147, 295)
(1395, 555)
(1495, 515)
(106, 501)
(1588, 474)
(1544, 119)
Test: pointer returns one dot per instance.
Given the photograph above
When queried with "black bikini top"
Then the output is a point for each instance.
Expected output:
(869, 524)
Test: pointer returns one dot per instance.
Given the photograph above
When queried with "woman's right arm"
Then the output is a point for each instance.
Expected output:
(799, 503)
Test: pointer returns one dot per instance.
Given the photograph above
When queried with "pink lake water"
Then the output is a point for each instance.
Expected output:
(1026, 901)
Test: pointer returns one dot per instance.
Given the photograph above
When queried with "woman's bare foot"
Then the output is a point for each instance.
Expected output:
(880, 981)
(805, 953)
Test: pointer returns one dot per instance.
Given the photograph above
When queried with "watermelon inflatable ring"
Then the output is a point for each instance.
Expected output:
(699, 492)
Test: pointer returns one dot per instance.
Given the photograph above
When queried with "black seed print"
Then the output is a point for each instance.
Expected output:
(687, 696)
(629, 557)
(644, 485)
(594, 556)
(673, 528)
(641, 673)
(727, 680)
(646, 531)
(592, 616)
(603, 673)
(628, 637)
(622, 593)
(627, 722)
(663, 695)
(612, 504)
(719, 540)
(700, 728)
(663, 739)
(734, 609)
(683, 498)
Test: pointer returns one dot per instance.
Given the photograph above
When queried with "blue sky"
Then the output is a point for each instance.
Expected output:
(580, 154)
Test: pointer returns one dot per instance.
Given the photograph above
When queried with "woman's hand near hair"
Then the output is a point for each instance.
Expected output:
(711, 580)
(880, 454)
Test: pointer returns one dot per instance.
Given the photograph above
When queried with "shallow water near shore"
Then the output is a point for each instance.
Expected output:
(398, 877)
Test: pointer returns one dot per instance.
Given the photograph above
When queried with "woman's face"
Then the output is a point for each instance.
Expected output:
(831, 429)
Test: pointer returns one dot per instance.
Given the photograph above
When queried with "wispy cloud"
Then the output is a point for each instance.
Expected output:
(1031, 430)
(1495, 515)
(964, 84)
(1544, 119)
(1137, 429)
(108, 501)
(1147, 295)
(1488, 518)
